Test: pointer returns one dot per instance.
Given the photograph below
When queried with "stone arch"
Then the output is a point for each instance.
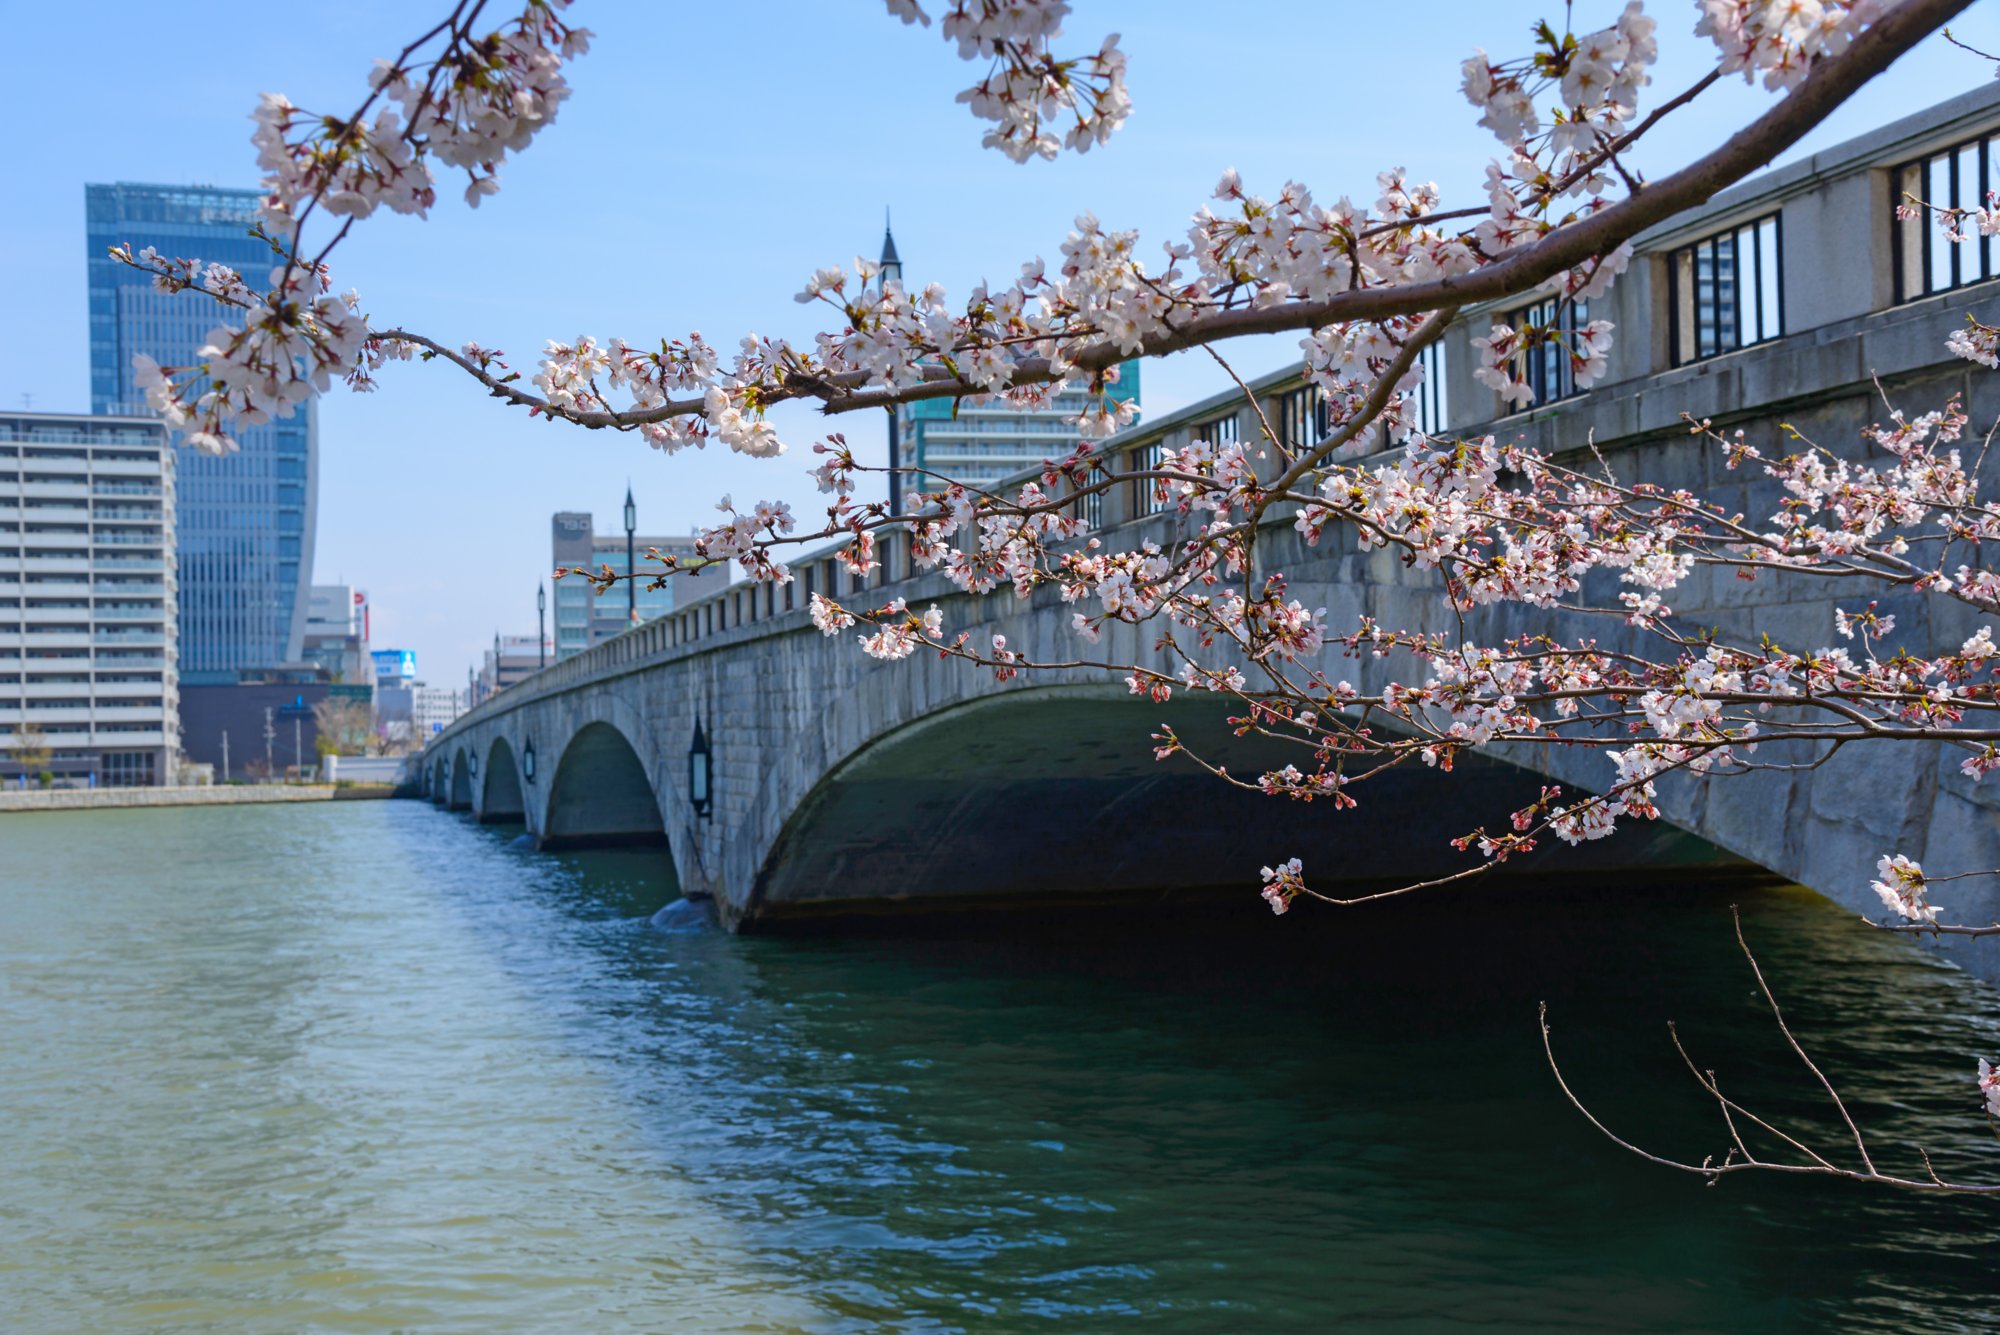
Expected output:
(600, 794)
(500, 796)
(1051, 795)
(461, 782)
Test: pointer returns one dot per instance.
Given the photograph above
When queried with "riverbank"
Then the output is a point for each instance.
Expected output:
(230, 794)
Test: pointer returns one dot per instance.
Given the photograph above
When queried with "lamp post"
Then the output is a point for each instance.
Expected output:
(542, 625)
(496, 662)
(631, 571)
(892, 272)
(700, 796)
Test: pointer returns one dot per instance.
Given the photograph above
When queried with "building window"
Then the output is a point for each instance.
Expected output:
(1430, 395)
(1089, 508)
(1545, 365)
(126, 769)
(1959, 177)
(1725, 292)
(1145, 490)
(1303, 417)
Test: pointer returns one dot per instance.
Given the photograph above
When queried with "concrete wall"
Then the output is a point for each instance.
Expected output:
(82, 799)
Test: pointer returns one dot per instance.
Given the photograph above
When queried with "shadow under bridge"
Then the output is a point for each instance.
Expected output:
(1052, 796)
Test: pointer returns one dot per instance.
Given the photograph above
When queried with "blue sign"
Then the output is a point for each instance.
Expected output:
(395, 663)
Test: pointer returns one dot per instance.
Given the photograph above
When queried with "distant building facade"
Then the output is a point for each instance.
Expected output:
(87, 638)
(511, 660)
(584, 618)
(246, 520)
(944, 440)
(336, 636)
(255, 729)
(432, 707)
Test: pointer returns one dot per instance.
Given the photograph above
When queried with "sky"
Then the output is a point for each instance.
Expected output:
(710, 158)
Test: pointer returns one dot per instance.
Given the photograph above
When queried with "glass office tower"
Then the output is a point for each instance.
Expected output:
(245, 521)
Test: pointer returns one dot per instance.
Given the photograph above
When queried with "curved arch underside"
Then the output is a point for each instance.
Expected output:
(600, 795)
(1029, 797)
(502, 799)
(461, 783)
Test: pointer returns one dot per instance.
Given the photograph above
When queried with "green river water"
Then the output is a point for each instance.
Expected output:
(364, 1066)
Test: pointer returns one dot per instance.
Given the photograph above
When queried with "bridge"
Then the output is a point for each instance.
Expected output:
(787, 776)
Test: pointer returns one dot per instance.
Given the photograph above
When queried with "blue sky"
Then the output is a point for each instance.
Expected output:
(711, 157)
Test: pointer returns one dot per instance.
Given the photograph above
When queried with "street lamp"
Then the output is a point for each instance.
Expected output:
(542, 625)
(631, 571)
(892, 272)
(528, 760)
(699, 796)
(496, 661)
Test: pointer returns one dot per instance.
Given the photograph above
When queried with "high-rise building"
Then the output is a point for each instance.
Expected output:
(584, 617)
(246, 519)
(87, 640)
(936, 441)
(944, 441)
(336, 639)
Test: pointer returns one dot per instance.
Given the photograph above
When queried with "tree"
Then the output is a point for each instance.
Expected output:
(1494, 526)
(345, 727)
(31, 750)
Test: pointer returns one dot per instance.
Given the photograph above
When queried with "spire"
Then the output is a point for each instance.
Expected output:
(892, 264)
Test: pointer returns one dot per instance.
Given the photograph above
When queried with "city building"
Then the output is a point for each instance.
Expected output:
(255, 729)
(87, 640)
(336, 636)
(936, 441)
(432, 707)
(584, 617)
(511, 660)
(246, 519)
(944, 440)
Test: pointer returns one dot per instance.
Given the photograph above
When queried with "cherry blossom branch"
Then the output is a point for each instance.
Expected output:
(1738, 1157)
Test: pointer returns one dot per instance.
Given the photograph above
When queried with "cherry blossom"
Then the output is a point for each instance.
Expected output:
(1900, 883)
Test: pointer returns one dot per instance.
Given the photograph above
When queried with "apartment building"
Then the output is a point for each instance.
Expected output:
(88, 642)
(1781, 297)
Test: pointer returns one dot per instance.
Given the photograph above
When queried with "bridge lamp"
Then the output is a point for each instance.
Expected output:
(631, 559)
(699, 794)
(528, 760)
(472, 766)
(891, 271)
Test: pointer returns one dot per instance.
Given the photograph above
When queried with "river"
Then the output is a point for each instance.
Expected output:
(364, 1066)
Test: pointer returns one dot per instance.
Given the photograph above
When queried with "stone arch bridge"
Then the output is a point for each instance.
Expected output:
(840, 784)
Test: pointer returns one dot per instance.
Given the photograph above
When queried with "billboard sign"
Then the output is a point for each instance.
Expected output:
(395, 663)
